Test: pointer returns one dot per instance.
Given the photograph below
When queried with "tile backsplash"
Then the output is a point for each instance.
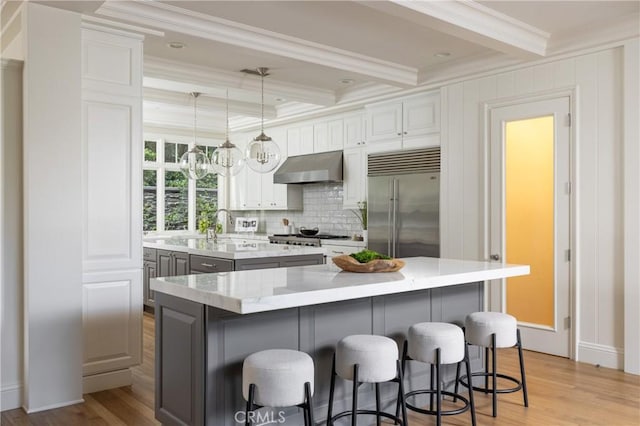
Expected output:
(321, 207)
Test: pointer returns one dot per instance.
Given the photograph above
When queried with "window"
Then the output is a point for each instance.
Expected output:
(171, 201)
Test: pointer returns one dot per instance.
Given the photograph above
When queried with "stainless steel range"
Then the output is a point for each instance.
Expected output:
(304, 240)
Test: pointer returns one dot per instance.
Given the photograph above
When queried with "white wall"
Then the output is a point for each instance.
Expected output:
(599, 252)
(632, 206)
(52, 208)
(11, 279)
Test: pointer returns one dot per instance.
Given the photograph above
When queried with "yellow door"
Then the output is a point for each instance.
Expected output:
(529, 216)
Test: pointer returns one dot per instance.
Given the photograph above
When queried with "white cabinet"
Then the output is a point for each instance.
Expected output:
(250, 190)
(354, 177)
(353, 130)
(112, 206)
(412, 120)
(299, 140)
(328, 136)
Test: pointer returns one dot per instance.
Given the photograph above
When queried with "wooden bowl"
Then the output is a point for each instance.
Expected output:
(349, 264)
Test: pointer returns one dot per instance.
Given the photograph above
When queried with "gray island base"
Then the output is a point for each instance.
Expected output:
(207, 324)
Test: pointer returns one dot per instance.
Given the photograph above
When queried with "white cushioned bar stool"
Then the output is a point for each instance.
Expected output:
(278, 378)
(494, 330)
(437, 344)
(367, 359)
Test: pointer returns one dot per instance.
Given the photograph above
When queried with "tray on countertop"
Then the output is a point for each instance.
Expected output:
(349, 264)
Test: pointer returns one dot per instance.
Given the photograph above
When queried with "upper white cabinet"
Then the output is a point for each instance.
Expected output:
(354, 177)
(299, 140)
(410, 118)
(328, 136)
(353, 130)
(250, 190)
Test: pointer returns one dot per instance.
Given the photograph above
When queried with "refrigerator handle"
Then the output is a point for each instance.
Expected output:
(390, 218)
(394, 222)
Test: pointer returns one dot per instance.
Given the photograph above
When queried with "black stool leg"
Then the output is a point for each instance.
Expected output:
(438, 390)
(354, 408)
(331, 388)
(307, 390)
(403, 364)
(455, 388)
(472, 406)
(252, 390)
(377, 404)
(403, 404)
(431, 377)
(486, 370)
(493, 375)
(522, 375)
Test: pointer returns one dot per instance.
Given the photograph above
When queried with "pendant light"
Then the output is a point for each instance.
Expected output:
(194, 164)
(263, 154)
(227, 159)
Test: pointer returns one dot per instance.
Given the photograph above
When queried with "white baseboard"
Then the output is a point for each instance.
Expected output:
(11, 397)
(603, 355)
(104, 381)
(53, 406)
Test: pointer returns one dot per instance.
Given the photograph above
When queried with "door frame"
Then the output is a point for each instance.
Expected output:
(493, 292)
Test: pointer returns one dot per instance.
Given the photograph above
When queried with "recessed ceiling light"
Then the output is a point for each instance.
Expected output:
(176, 44)
(346, 81)
(442, 54)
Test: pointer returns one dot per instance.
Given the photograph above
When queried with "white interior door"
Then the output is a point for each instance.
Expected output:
(529, 218)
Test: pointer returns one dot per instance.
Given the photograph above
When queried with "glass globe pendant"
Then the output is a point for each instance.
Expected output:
(263, 154)
(227, 159)
(194, 164)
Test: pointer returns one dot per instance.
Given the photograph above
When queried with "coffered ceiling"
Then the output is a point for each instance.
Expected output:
(331, 53)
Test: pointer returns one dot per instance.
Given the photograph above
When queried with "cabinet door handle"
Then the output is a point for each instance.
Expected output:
(337, 252)
(209, 265)
(399, 134)
(405, 133)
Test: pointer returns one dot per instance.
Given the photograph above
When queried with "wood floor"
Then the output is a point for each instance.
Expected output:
(561, 393)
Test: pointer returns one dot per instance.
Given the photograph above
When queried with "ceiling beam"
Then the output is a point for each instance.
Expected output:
(171, 18)
(213, 105)
(178, 76)
(470, 21)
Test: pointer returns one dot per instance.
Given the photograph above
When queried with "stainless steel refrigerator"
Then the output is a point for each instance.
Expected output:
(404, 203)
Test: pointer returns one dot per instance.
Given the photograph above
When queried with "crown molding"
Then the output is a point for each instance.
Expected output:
(11, 64)
(470, 21)
(295, 108)
(115, 26)
(366, 91)
(617, 29)
(172, 18)
(169, 75)
(206, 103)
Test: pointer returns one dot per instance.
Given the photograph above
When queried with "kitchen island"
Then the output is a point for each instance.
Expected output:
(207, 324)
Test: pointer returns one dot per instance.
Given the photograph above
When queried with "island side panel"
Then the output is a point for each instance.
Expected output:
(230, 339)
(180, 367)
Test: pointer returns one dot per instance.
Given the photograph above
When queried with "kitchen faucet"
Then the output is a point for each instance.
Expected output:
(215, 221)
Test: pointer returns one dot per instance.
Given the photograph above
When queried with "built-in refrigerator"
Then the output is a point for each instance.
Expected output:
(403, 203)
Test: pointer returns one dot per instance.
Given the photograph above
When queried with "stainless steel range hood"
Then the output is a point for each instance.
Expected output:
(311, 168)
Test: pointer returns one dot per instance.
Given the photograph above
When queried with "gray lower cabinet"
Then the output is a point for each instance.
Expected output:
(208, 264)
(171, 263)
(149, 271)
(278, 262)
(195, 342)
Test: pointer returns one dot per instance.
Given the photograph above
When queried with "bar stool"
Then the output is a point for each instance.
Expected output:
(367, 359)
(278, 378)
(437, 344)
(493, 330)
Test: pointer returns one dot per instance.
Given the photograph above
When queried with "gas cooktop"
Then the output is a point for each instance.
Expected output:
(319, 236)
(304, 240)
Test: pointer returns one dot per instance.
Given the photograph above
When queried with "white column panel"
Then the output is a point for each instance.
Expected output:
(52, 208)
(111, 225)
(631, 108)
(112, 317)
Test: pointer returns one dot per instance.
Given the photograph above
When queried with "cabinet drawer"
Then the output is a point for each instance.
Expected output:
(210, 264)
(149, 254)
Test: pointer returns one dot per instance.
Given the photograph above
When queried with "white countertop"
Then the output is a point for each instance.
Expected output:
(246, 292)
(230, 249)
